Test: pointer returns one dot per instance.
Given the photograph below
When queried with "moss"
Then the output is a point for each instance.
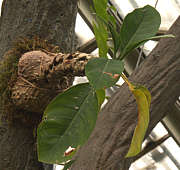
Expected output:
(9, 68)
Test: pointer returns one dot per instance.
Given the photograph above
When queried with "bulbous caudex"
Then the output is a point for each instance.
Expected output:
(42, 75)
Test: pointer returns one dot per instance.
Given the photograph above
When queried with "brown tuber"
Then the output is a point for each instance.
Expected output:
(39, 75)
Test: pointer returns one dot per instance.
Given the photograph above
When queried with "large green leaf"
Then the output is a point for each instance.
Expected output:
(68, 121)
(143, 99)
(138, 26)
(103, 72)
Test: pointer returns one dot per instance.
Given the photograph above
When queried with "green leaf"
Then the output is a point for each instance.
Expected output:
(68, 164)
(141, 24)
(157, 37)
(154, 38)
(101, 97)
(143, 99)
(115, 37)
(103, 72)
(100, 29)
(101, 35)
(101, 8)
(68, 121)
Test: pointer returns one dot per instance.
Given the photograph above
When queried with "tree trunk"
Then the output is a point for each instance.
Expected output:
(52, 20)
(110, 140)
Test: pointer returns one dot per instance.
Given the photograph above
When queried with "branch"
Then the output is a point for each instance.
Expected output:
(152, 145)
(88, 47)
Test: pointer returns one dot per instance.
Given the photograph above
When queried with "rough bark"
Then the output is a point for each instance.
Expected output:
(52, 20)
(110, 140)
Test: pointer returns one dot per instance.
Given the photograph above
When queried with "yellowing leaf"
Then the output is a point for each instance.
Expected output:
(146, 93)
(143, 99)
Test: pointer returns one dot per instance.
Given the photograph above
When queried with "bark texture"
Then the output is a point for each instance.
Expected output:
(110, 140)
(52, 20)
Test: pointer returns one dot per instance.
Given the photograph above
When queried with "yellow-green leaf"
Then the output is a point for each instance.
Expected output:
(101, 97)
(146, 93)
(143, 99)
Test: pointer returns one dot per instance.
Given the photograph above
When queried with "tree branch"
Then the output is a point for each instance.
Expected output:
(88, 47)
(51, 20)
(152, 145)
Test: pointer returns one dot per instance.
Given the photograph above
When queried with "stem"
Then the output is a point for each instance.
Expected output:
(156, 4)
(139, 57)
(131, 87)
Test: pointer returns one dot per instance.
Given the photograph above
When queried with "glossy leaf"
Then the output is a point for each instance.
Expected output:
(103, 72)
(68, 121)
(138, 26)
(143, 99)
